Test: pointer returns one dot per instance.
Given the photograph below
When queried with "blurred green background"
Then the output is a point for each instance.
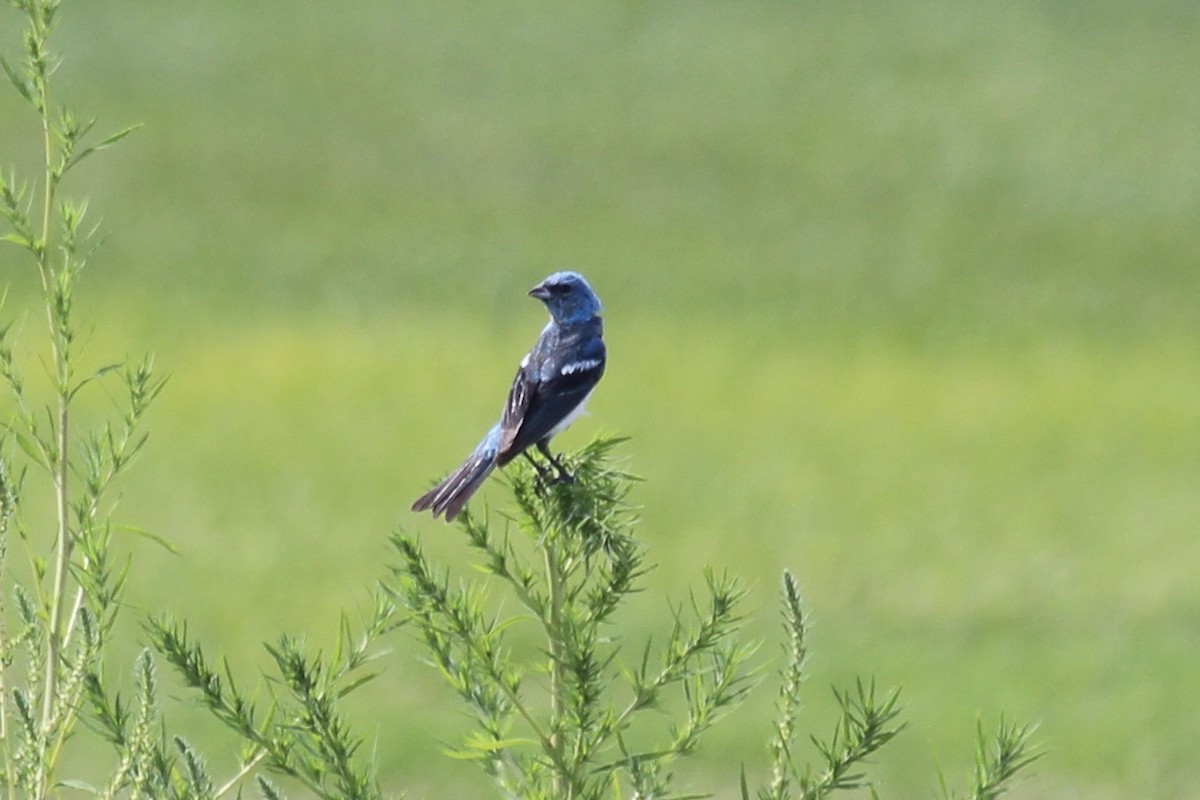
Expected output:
(900, 295)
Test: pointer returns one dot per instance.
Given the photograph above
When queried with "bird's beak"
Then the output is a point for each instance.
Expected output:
(540, 292)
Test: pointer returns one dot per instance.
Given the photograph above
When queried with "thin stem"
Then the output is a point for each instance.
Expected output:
(61, 467)
(241, 773)
(8, 763)
(61, 564)
(554, 581)
(530, 720)
(41, 84)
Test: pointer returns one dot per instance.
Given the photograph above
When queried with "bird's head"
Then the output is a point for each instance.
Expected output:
(568, 297)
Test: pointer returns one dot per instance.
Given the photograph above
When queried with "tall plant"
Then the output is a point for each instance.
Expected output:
(54, 636)
(51, 648)
(571, 563)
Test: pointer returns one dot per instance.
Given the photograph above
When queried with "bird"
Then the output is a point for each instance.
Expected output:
(550, 391)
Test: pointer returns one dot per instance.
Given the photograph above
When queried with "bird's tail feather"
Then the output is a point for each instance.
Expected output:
(449, 496)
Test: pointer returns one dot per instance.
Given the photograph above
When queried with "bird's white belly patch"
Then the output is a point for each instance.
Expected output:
(575, 414)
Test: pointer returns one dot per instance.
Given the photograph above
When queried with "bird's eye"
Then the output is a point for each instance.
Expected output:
(559, 288)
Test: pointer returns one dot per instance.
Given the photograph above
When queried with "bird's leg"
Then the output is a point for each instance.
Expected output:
(563, 475)
(543, 473)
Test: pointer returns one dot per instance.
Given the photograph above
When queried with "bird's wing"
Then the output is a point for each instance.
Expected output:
(536, 405)
(524, 387)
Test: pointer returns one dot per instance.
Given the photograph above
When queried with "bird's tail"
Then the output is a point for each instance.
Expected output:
(449, 496)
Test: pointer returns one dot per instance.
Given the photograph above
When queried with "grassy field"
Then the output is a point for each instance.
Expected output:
(902, 296)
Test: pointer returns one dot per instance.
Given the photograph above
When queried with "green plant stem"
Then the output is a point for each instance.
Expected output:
(61, 564)
(60, 466)
(554, 580)
(8, 762)
(246, 769)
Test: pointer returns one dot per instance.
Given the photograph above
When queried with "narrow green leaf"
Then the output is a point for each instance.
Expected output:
(116, 137)
(79, 785)
(28, 446)
(154, 537)
(357, 682)
(98, 374)
(109, 142)
(475, 746)
(18, 82)
(345, 641)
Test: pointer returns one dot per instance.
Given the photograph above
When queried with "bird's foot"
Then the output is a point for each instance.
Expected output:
(545, 477)
(563, 475)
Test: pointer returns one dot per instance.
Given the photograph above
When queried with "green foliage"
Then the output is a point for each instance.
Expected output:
(558, 719)
(52, 650)
(998, 759)
(866, 723)
(570, 563)
(302, 733)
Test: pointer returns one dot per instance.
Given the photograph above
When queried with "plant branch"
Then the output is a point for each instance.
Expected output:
(554, 633)
(240, 775)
